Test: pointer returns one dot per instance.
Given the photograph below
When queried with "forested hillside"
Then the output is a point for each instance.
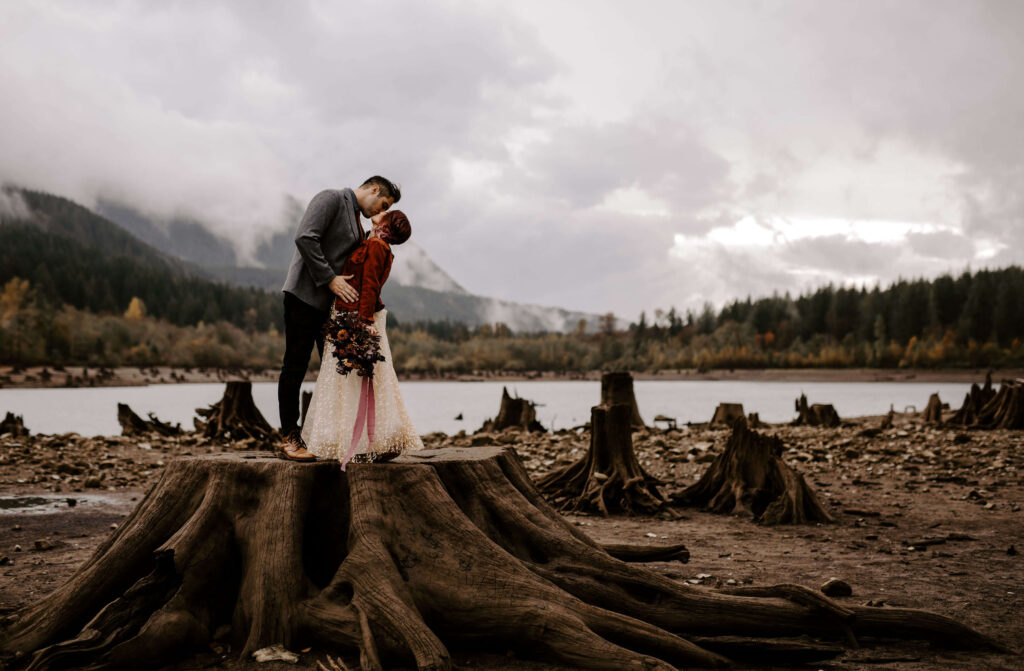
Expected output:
(71, 256)
(77, 289)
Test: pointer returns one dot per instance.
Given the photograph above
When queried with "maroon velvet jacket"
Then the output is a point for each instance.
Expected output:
(370, 265)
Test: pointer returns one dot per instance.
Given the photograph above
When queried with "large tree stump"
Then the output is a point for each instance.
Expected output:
(133, 425)
(1006, 409)
(750, 477)
(976, 399)
(235, 416)
(514, 412)
(819, 414)
(608, 479)
(402, 561)
(13, 424)
(616, 388)
(933, 412)
(726, 414)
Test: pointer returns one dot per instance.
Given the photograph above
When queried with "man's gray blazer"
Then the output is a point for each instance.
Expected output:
(327, 234)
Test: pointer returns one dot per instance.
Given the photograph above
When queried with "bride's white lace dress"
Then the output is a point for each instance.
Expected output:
(327, 429)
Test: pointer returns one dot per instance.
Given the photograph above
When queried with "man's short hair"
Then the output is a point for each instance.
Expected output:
(386, 186)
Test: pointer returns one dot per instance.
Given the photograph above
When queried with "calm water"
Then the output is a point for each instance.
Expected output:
(434, 405)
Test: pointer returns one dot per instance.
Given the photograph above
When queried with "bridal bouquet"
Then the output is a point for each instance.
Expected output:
(355, 348)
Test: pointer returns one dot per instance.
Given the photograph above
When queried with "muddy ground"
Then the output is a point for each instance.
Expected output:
(927, 517)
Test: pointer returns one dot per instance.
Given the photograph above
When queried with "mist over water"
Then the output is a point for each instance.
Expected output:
(433, 406)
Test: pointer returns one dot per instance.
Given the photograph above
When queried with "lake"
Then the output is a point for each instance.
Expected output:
(433, 406)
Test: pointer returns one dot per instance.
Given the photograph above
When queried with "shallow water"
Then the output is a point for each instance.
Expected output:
(433, 406)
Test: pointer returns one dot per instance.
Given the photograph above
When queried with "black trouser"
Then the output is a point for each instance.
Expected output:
(303, 326)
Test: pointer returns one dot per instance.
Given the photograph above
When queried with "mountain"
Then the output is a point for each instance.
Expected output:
(71, 255)
(417, 290)
(178, 237)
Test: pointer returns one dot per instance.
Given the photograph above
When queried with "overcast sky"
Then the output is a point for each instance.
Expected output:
(600, 156)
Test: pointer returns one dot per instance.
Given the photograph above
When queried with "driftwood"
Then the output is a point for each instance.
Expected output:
(819, 414)
(933, 413)
(608, 479)
(13, 424)
(726, 414)
(514, 412)
(405, 562)
(750, 477)
(235, 416)
(617, 388)
(133, 425)
(976, 399)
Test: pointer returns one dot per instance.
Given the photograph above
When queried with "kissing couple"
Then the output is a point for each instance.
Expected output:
(332, 300)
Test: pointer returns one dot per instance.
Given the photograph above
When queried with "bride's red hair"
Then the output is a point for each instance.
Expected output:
(397, 226)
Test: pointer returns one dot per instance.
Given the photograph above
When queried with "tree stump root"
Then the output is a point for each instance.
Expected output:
(750, 477)
(400, 561)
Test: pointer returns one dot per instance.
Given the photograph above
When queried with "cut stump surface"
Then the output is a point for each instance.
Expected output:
(403, 561)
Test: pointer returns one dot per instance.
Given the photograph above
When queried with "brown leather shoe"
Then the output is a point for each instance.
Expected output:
(293, 448)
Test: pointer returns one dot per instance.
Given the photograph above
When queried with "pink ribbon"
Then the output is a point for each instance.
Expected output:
(366, 414)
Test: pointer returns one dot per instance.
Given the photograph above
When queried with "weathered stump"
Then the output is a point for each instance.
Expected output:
(1006, 409)
(819, 414)
(976, 399)
(617, 388)
(933, 413)
(13, 424)
(608, 479)
(514, 412)
(750, 477)
(402, 561)
(133, 425)
(726, 414)
(235, 416)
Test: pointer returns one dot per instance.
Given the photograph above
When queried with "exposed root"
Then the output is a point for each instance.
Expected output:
(608, 479)
(401, 562)
(751, 478)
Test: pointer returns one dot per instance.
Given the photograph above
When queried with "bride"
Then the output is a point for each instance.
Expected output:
(353, 416)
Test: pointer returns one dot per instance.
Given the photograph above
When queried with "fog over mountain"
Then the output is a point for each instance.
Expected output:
(417, 290)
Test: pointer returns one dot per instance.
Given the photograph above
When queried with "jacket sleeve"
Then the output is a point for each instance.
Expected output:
(318, 216)
(375, 271)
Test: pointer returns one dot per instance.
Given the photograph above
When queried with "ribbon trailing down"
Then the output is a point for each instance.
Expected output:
(366, 414)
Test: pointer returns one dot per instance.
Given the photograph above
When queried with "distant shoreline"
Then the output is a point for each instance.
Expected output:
(129, 376)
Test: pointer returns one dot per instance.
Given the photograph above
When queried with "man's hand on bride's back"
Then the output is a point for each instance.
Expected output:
(342, 289)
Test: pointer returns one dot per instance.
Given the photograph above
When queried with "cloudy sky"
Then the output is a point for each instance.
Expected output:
(600, 156)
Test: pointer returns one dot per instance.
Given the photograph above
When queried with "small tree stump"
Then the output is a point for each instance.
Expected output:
(617, 388)
(751, 478)
(401, 561)
(514, 412)
(608, 479)
(13, 424)
(933, 412)
(889, 419)
(235, 416)
(1006, 409)
(976, 399)
(819, 414)
(726, 414)
(133, 425)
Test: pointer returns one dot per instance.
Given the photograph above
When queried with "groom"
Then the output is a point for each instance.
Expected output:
(327, 234)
